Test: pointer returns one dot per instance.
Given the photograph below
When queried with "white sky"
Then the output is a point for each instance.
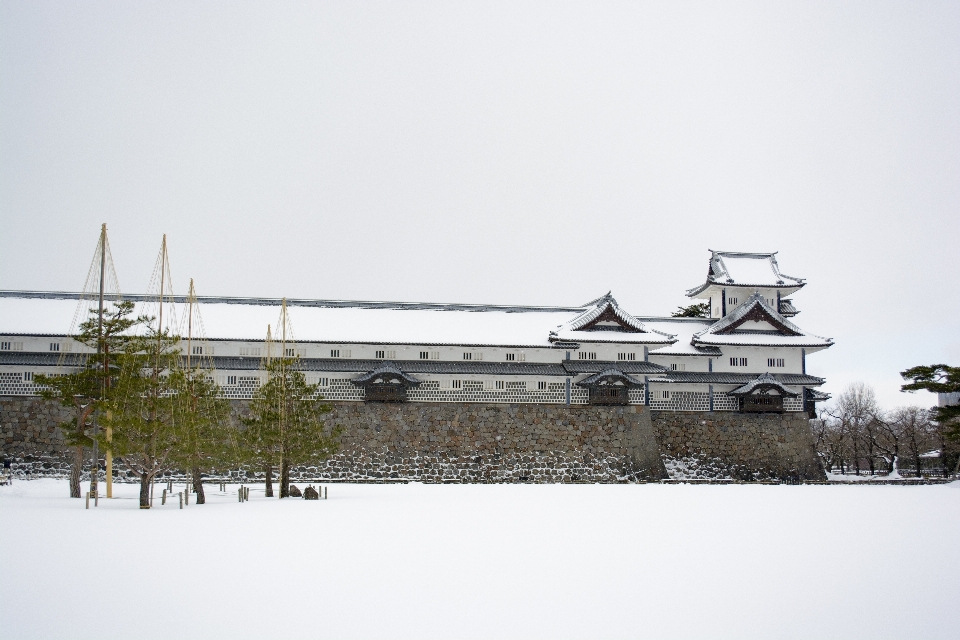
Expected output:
(510, 152)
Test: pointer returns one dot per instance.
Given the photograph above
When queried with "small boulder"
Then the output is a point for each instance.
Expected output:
(294, 492)
(310, 493)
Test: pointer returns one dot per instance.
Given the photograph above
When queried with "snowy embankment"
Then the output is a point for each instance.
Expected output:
(484, 561)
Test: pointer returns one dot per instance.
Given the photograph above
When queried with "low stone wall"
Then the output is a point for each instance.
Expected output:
(497, 443)
(741, 446)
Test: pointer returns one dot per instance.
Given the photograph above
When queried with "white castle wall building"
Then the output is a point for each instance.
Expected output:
(747, 356)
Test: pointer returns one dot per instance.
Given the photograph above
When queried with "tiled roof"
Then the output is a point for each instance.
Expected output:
(763, 382)
(736, 269)
(385, 370)
(723, 377)
(726, 331)
(627, 366)
(604, 377)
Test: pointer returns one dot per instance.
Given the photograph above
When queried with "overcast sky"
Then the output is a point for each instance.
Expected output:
(513, 152)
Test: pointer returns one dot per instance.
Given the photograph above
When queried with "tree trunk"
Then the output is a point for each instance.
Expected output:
(269, 471)
(284, 477)
(145, 490)
(198, 485)
(917, 461)
(75, 470)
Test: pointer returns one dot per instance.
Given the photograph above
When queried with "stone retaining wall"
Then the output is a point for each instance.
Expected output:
(498, 443)
(740, 446)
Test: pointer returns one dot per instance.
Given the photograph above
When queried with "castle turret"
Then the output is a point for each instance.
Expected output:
(733, 277)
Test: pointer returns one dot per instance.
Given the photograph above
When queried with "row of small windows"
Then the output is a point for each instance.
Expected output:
(776, 362)
(734, 301)
(738, 362)
(11, 346)
(626, 356)
(586, 355)
(678, 366)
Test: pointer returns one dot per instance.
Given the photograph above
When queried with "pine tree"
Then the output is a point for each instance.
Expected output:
(286, 424)
(937, 378)
(143, 408)
(86, 386)
(207, 442)
(699, 310)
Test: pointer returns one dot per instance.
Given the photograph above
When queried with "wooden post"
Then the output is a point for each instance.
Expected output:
(181, 499)
(109, 456)
(96, 499)
(186, 495)
(88, 499)
(163, 498)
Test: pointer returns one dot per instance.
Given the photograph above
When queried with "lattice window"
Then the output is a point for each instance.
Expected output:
(678, 366)
(249, 351)
(738, 362)
(627, 356)
(54, 346)
(776, 362)
(586, 355)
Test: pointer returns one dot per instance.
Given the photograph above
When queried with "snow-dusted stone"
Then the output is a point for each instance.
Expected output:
(295, 492)
(310, 493)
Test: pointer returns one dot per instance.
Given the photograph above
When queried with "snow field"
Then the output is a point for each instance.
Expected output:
(483, 561)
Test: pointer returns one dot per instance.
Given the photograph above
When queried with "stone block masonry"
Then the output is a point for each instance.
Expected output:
(493, 443)
(450, 442)
(740, 446)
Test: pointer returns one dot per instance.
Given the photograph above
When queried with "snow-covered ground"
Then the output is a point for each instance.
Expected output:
(486, 561)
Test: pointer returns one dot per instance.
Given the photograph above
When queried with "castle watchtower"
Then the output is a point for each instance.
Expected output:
(733, 277)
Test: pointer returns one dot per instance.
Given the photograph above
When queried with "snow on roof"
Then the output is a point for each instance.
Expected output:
(605, 321)
(728, 332)
(683, 330)
(763, 382)
(735, 269)
(237, 321)
(608, 376)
